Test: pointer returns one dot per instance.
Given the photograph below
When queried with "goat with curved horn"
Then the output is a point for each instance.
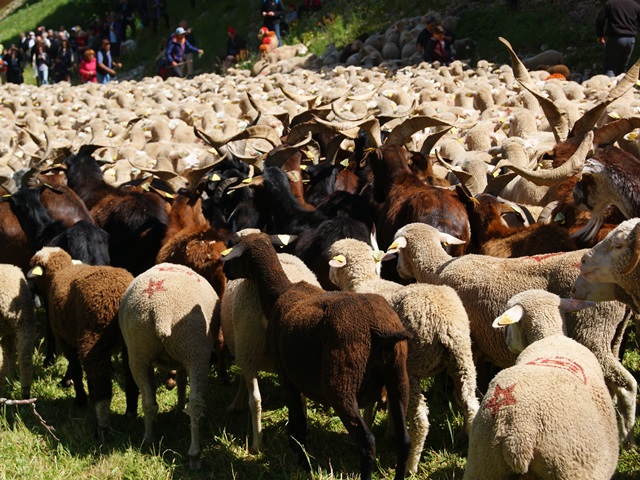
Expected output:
(403, 131)
(558, 118)
(612, 132)
(370, 125)
(573, 166)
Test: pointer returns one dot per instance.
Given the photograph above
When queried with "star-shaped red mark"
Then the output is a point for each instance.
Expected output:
(501, 397)
(153, 287)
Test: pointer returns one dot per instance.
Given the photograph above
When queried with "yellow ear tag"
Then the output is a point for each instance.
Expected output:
(345, 163)
(338, 261)
(226, 252)
(285, 239)
(37, 271)
(247, 180)
(215, 177)
(303, 167)
(378, 255)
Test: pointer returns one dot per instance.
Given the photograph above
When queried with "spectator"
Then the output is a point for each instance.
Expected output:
(13, 60)
(617, 27)
(23, 45)
(421, 43)
(3, 67)
(236, 49)
(115, 34)
(268, 40)
(272, 13)
(177, 47)
(126, 18)
(88, 67)
(105, 66)
(157, 9)
(63, 63)
(42, 65)
(289, 18)
(188, 56)
(436, 48)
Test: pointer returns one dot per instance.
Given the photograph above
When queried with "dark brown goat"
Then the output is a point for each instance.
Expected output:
(402, 198)
(136, 221)
(336, 348)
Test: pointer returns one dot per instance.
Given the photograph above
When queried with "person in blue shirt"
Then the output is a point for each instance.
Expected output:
(178, 45)
(272, 13)
(105, 70)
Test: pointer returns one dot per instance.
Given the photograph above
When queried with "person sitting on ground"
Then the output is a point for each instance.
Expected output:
(236, 49)
(88, 66)
(421, 43)
(436, 48)
(106, 65)
(177, 47)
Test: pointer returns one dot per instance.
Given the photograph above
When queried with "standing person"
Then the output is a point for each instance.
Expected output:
(617, 27)
(88, 65)
(14, 62)
(188, 56)
(63, 63)
(105, 68)
(176, 49)
(42, 65)
(272, 13)
(127, 18)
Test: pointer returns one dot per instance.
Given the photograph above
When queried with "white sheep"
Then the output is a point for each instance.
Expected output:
(165, 317)
(485, 284)
(17, 328)
(439, 324)
(550, 415)
(244, 325)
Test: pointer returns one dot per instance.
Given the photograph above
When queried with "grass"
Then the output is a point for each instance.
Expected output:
(27, 450)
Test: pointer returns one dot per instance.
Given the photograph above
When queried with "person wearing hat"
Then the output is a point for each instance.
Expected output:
(236, 49)
(178, 45)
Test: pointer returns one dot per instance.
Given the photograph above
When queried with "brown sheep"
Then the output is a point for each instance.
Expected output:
(336, 348)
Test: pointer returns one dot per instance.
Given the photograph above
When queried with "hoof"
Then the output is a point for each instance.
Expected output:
(195, 463)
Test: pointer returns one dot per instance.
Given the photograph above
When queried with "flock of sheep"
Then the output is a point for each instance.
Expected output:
(397, 205)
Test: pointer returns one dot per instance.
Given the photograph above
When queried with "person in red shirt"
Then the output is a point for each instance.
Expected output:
(88, 67)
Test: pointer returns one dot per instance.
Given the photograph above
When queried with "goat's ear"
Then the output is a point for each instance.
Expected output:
(511, 316)
(282, 240)
(338, 261)
(634, 240)
(231, 253)
(574, 305)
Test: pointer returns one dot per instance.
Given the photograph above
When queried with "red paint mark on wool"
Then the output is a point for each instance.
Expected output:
(179, 270)
(562, 363)
(539, 258)
(501, 397)
(154, 287)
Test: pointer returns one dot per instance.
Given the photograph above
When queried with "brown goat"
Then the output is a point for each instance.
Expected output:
(402, 198)
(336, 348)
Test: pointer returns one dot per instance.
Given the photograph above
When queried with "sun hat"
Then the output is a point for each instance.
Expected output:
(180, 31)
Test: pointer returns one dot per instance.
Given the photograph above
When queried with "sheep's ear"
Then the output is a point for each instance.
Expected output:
(35, 272)
(511, 316)
(378, 256)
(447, 239)
(282, 240)
(231, 253)
(338, 261)
(398, 244)
(635, 241)
(573, 305)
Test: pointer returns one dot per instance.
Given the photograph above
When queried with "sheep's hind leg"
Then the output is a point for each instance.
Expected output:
(145, 379)
(181, 381)
(25, 342)
(357, 428)
(196, 410)
(255, 406)
(418, 416)
(297, 428)
(75, 371)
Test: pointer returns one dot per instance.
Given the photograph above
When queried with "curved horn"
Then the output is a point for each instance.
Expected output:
(614, 131)
(635, 258)
(222, 187)
(558, 118)
(259, 131)
(370, 125)
(431, 140)
(589, 119)
(545, 214)
(399, 134)
(571, 167)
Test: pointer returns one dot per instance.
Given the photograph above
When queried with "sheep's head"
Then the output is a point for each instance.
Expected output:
(412, 238)
(249, 252)
(533, 315)
(618, 254)
(596, 292)
(353, 260)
